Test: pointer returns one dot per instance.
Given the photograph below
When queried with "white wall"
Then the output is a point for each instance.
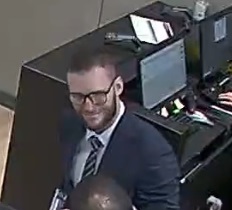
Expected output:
(30, 27)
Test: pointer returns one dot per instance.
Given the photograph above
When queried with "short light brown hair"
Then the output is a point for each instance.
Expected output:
(86, 59)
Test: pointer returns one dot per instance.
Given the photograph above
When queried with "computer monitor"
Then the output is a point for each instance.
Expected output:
(163, 74)
(215, 42)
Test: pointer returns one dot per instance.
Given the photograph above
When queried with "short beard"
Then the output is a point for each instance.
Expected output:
(110, 116)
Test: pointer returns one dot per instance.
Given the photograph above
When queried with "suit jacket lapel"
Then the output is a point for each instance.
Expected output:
(107, 160)
(112, 161)
(71, 147)
(119, 154)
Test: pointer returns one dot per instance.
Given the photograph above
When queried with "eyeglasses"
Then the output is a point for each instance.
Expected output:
(96, 97)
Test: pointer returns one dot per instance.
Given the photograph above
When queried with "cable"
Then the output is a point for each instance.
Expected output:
(100, 14)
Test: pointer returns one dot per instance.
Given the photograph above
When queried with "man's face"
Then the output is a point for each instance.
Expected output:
(94, 95)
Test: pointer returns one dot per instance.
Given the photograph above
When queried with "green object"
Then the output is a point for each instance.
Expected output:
(176, 111)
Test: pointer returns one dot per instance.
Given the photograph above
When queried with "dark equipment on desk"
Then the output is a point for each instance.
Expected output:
(155, 76)
(179, 12)
(162, 74)
(208, 46)
(216, 43)
(112, 38)
(209, 54)
(170, 104)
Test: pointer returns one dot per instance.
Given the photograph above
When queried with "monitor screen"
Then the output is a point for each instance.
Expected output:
(163, 74)
(216, 43)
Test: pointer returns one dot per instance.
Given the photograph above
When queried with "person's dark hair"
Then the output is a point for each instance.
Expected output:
(85, 59)
(99, 193)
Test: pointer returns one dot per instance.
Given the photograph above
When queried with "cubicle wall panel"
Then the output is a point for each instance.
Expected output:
(214, 179)
(34, 166)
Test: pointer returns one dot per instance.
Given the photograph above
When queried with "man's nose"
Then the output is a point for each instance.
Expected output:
(88, 105)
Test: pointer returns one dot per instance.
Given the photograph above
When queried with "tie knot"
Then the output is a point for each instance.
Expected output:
(95, 142)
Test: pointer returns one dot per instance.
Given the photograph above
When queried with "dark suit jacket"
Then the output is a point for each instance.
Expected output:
(137, 157)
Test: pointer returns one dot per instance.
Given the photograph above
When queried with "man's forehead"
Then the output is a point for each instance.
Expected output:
(89, 82)
(107, 71)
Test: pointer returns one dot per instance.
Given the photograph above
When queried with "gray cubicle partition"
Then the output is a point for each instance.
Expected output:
(33, 166)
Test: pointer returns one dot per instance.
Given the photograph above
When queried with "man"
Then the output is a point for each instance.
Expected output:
(99, 193)
(113, 141)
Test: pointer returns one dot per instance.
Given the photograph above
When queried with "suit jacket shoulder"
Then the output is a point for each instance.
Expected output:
(158, 180)
(71, 131)
(145, 134)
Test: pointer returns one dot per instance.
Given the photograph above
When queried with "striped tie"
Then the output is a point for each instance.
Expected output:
(91, 161)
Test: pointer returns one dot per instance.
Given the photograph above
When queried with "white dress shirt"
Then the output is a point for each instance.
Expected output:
(85, 147)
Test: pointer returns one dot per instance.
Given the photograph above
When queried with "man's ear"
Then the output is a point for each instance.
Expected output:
(119, 85)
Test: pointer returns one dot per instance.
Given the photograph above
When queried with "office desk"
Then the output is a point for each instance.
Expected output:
(213, 177)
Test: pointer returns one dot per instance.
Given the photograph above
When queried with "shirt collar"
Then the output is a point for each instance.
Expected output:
(104, 137)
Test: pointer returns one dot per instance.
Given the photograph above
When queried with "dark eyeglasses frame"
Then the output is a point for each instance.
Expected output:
(91, 94)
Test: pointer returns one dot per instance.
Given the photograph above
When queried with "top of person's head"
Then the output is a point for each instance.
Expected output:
(99, 193)
(5, 207)
(84, 60)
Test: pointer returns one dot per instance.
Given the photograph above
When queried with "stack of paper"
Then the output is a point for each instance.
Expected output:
(151, 31)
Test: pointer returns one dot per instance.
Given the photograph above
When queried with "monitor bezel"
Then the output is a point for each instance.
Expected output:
(176, 92)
